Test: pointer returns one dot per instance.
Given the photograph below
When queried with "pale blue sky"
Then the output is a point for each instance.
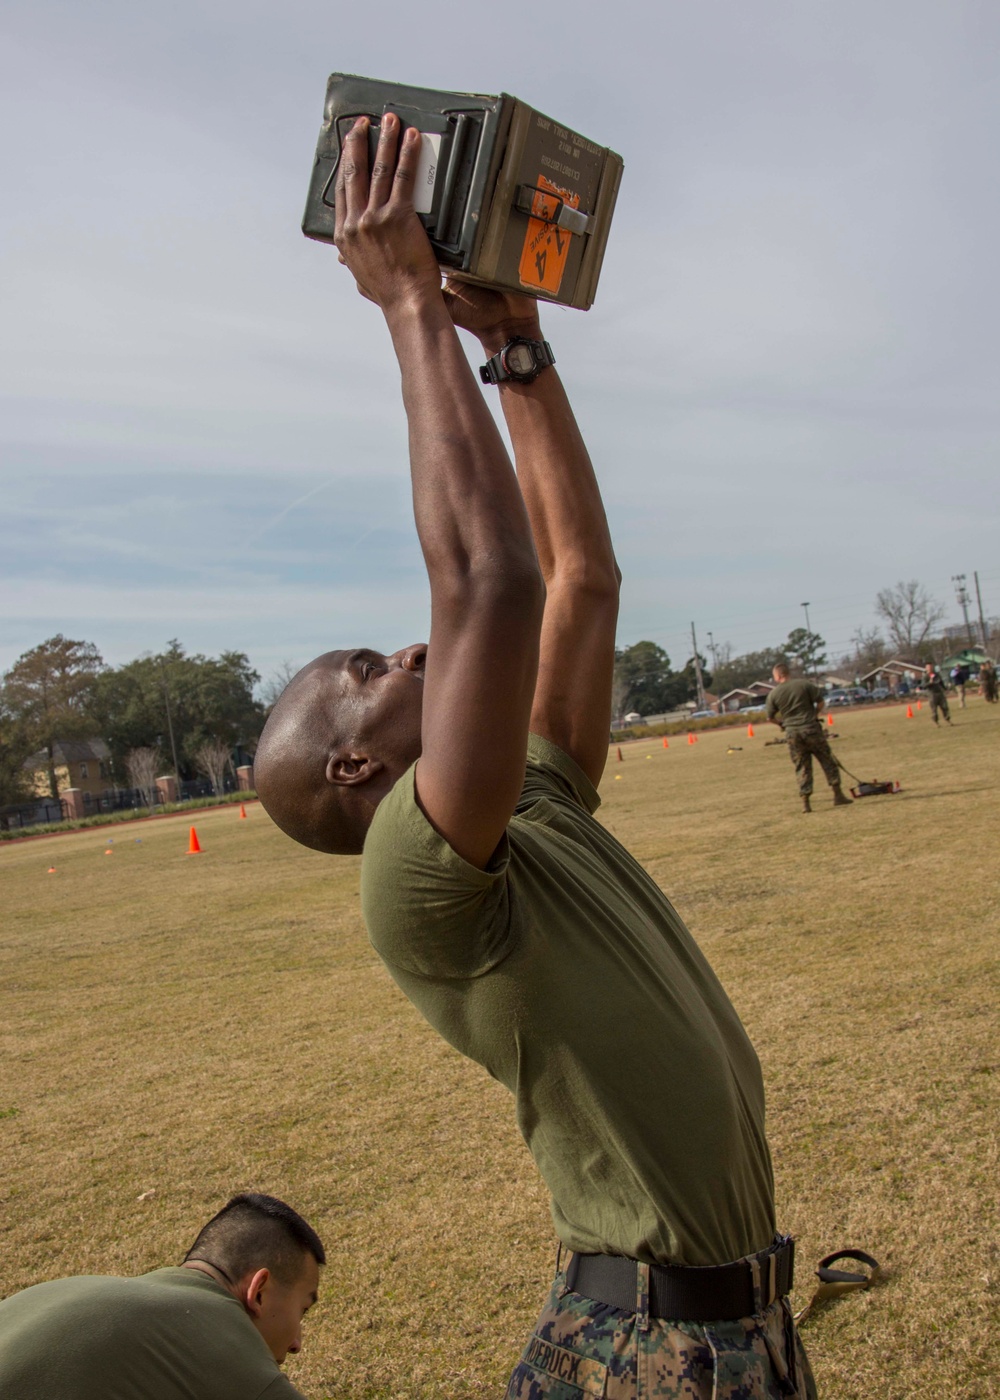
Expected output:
(788, 382)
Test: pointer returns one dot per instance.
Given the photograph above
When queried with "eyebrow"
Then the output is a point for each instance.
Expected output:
(363, 654)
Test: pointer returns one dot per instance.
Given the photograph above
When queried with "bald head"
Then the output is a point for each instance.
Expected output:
(334, 744)
(290, 766)
(780, 672)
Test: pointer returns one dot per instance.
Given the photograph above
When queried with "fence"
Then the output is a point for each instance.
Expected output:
(112, 800)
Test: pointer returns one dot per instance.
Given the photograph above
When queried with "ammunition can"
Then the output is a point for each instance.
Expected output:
(510, 198)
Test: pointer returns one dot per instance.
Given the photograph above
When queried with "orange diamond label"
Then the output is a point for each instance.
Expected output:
(546, 247)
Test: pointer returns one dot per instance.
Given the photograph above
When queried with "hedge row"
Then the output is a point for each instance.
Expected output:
(734, 720)
(131, 814)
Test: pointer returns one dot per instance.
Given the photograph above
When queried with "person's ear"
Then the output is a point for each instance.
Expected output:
(348, 769)
(253, 1289)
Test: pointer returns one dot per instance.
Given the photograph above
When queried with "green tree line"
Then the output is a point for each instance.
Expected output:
(171, 702)
(646, 682)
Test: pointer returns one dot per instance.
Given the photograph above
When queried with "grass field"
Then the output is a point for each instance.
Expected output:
(189, 1026)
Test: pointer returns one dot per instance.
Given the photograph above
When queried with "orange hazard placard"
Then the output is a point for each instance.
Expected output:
(546, 247)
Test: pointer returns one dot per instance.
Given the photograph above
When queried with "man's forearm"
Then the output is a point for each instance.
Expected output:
(469, 511)
(557, 479)
(572, 702)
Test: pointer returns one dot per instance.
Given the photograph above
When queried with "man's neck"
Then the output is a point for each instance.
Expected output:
(212, 1271)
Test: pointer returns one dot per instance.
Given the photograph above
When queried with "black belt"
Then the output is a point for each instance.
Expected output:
(717, 1294)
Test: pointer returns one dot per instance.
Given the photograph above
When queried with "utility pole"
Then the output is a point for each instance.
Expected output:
(170, 726)
(711, 647)
(697, 671)
(962, 593)
(982, 620)
(808, 628)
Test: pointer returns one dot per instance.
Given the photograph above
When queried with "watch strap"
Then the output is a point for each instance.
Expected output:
(494, 370)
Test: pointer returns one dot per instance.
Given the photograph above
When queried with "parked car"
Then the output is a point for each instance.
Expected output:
(634, 718)
(702, 714)
(833, 698)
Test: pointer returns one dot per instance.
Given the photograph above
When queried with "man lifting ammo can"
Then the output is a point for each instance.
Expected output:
(466, 771)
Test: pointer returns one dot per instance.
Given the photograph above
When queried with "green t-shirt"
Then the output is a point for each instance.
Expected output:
(794, 703)
(564, 970)
(170, 1335)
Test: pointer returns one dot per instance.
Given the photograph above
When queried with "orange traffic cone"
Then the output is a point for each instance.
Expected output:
(909, 712)
(243, 813)
(692, 739)
(665, 744)
(749, 731)
(829, 719)
(194, 846)
(619, 754)
(51, 870)
(920, 704)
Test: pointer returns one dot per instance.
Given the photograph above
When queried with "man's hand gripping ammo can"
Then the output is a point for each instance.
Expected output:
(509, 198)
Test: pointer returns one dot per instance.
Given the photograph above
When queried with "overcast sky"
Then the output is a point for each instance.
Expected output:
(788, 381)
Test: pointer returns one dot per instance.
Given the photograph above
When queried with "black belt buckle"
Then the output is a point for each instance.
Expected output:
(776, 1271)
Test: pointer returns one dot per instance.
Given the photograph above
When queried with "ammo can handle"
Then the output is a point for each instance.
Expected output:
(565, 216)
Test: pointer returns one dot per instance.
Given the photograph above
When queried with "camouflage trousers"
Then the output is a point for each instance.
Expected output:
(583, 1350)
(939, 702)
(803, 746)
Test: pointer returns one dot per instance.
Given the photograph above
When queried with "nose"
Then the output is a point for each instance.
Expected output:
(412, 658)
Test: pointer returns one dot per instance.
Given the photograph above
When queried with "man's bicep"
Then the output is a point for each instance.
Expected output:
(479, 682)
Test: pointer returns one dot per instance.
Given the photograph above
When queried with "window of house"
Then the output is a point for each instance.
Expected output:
(84, 772)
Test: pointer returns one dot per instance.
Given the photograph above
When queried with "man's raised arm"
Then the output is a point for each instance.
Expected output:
(572, 704)
(487, 593)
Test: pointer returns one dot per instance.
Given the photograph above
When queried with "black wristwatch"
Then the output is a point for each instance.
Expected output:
(520, 360)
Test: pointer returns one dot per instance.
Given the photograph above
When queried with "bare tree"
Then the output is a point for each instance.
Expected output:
(142, 765)
(910, 613)
(276, 682)
(869, 650)
(212, 759)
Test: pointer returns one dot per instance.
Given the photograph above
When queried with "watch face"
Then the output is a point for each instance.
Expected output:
(519, 359)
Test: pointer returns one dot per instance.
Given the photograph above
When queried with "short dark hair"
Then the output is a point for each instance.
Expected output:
(252, 1231)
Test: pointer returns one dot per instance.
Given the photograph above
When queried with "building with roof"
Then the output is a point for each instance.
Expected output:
(79, 763)
(894, 675)
(972, 657)
(745, 697)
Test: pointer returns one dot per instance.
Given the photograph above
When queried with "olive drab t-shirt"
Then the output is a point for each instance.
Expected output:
(794, 702)
(565, 971)
(173, 1334)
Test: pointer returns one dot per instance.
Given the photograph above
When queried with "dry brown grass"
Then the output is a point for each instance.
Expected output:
(197, 1025)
